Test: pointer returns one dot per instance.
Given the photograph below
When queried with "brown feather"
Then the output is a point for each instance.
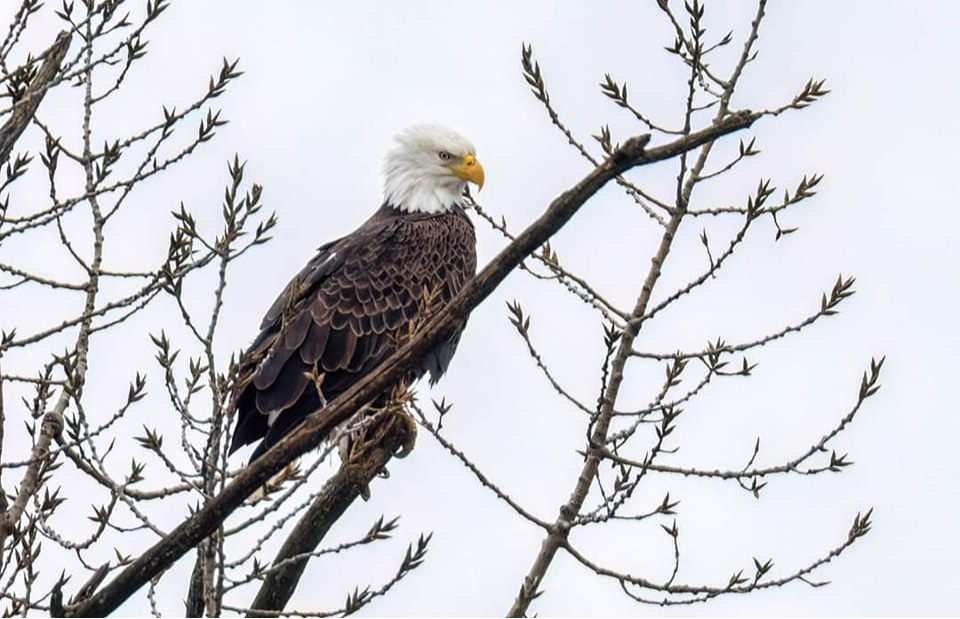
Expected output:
(315, 342)
(296, 331)
(286, 390)
(272, 366)
(339, 349)
(339, 321)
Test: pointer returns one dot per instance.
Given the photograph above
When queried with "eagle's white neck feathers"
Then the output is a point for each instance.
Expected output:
(417, 177)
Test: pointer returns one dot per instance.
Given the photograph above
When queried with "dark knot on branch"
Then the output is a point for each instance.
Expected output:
(632, 149)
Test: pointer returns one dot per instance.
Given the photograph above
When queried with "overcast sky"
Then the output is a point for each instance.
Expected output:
(327, 85)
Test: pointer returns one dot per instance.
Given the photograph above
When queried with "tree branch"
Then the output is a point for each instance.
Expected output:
(338, 494)
(484, 481)
(27, 106)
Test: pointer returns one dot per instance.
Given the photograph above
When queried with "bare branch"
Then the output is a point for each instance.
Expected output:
(868, 386)
(484, 480)
(737, 584)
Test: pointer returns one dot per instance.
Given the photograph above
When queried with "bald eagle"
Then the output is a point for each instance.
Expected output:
(349, 308)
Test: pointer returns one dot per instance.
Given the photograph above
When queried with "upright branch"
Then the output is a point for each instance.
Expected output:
(706, 92)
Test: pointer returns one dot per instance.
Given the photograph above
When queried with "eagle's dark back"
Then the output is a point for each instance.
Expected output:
(346, 312)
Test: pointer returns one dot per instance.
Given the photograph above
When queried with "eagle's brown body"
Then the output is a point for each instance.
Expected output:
(346, 312)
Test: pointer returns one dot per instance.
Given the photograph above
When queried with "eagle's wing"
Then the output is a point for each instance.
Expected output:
(344, 314)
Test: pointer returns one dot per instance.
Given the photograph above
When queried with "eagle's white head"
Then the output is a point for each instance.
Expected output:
(429, 169)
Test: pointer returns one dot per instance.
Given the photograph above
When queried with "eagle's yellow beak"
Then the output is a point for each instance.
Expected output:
(469, 170)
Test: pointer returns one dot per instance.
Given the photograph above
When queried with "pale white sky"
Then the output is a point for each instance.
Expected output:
(327, 85)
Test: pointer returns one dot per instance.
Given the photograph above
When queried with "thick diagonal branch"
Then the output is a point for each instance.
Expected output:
(191, 531)
(27, 106)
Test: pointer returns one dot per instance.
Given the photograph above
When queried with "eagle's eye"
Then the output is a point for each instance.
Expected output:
(444, 155)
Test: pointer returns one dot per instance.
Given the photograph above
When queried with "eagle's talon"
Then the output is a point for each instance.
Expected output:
(365, 492)
(409, 435)
(344, 447)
